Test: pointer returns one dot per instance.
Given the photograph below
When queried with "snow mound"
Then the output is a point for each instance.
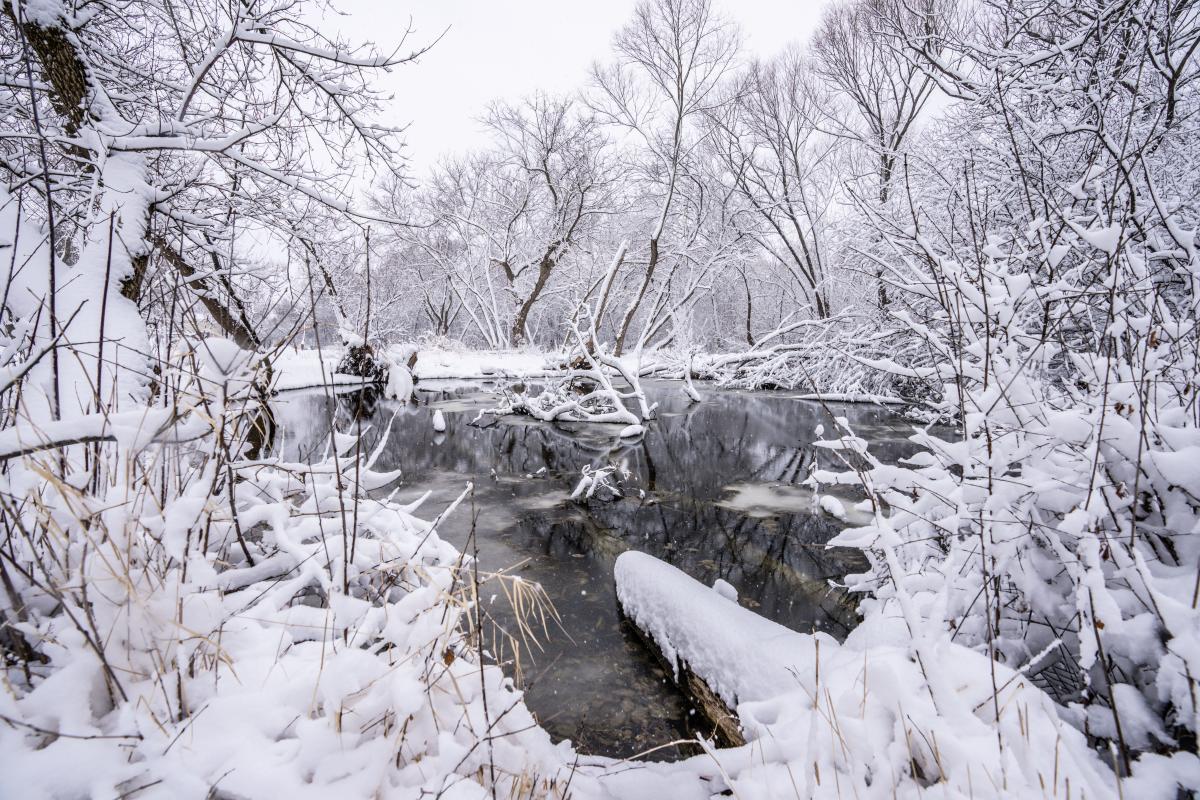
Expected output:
(400, 382)
(833, 507)
(725, 589)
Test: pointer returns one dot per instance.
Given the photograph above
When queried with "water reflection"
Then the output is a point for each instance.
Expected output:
(592, 682)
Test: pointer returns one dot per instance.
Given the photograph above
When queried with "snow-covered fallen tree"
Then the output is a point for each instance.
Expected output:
(587, 392)
(880, 715)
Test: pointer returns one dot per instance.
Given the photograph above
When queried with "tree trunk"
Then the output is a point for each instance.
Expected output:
(235, 325)
(750, 312)
(517, 336)
(62, 68)
(633, 308)
(726, 728)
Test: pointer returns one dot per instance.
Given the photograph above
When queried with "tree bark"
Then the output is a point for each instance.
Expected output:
(517, 337)
(234, 324)
(619, 347)
(726, 728)
(61, 66)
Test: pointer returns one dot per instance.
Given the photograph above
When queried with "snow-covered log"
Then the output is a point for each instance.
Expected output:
(877, 713)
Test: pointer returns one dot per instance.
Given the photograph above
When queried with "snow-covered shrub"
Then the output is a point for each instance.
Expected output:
(362, 361)
(1058, 531)
(197, 623)
(184, 615)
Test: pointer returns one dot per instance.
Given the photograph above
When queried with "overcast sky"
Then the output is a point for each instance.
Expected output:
(510, 48)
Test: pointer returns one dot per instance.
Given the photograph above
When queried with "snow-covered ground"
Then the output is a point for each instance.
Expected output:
(309, 368)
(302, 368)
(482, 364)
(328, 654)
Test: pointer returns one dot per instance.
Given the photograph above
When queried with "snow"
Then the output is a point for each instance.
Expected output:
(480, 364)
(285, 698)
(725, 589)
(399, 383)
(310, 369)
(84, 299)
(832, 506)
(1104, 239)
(134, 429)
(593, 479)
(824, 719)
(302, 369)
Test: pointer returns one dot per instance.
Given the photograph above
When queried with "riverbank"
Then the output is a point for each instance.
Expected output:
(309, 368)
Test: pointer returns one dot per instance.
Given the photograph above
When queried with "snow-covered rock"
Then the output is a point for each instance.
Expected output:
(832, 506)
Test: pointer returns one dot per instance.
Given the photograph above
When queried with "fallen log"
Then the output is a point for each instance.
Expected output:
(633, 569)
(726, 730)
(740, 655)
(884, 712)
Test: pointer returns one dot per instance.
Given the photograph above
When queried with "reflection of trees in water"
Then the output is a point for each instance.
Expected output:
(362, 404)
(685, 464)
(696, 451)
(595, 683)
(512, 447)
(779, 563)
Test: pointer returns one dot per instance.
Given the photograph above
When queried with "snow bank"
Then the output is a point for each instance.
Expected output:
(290, 665)
(868, 718)
(302, 369)
(310, 369)
(486, 364)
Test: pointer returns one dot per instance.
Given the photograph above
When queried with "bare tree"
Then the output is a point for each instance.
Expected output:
(566, 182)
(670, 62)
(499, 223)
(859, 50)
(773, 156)
(183, 126)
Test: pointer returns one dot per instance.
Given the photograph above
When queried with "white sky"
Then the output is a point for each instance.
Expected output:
(511, 48)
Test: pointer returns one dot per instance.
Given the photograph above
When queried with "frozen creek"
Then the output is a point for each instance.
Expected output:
(722, 499)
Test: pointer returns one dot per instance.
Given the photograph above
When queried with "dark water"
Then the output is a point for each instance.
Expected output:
(713, 489)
